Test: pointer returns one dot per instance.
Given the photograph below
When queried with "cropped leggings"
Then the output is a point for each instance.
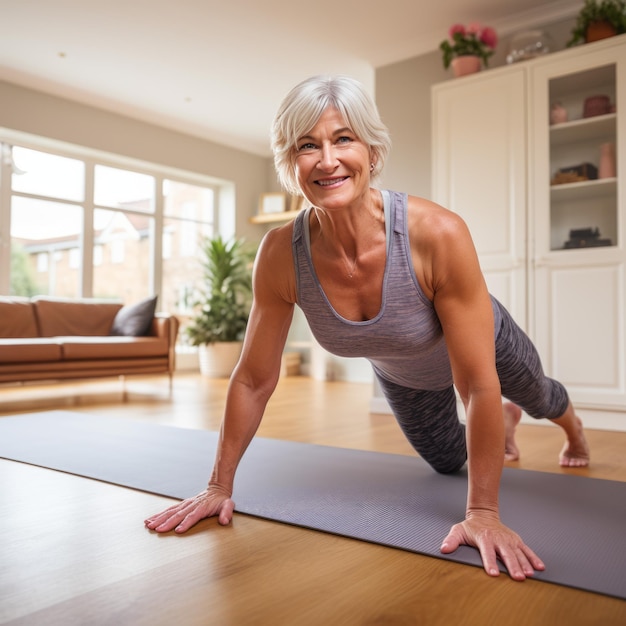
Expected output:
(430, 421)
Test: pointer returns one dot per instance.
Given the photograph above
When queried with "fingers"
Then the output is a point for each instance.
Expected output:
(226, 512)
(182, 516)
(452, 541)
(520, 561)
(495, 542)
(168, 519)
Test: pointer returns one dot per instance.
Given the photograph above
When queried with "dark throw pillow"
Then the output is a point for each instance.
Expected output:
(134, 320)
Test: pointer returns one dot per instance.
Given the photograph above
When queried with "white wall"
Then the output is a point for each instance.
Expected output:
(40, 114)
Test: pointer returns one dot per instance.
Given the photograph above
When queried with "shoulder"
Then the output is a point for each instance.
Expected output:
(273, 267)
(441, 244)
(430, 224)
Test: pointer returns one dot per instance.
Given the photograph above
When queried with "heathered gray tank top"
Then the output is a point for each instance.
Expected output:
(404, 342)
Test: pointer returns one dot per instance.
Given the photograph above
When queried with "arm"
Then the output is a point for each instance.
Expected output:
(251, 385)
(451, 271)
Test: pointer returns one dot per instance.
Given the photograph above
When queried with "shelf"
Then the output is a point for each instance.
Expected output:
(593, 80)
(271, 218)
(583, 130)
(584, 190)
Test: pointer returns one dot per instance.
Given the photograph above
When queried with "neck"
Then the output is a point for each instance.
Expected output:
(347, 235)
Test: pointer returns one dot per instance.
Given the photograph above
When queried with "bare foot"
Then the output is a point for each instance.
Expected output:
(512, 416)
(575, 452)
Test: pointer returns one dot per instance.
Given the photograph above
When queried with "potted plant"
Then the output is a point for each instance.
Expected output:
(223, 308)
(599, 19)
(468, 46)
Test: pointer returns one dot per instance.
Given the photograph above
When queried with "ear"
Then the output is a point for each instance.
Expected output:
(373, 161)
(373, 157)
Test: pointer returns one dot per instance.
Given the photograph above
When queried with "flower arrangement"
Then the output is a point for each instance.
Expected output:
(473, 40)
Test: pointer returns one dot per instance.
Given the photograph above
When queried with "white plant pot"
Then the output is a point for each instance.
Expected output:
(217, 360)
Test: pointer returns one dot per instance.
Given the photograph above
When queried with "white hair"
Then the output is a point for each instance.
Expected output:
(301, 110)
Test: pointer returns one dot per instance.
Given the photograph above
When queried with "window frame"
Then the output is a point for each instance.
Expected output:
(91, 157)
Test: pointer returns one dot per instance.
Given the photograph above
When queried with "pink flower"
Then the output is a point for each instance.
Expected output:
(489, 37)
(474, 28)
(456, 28)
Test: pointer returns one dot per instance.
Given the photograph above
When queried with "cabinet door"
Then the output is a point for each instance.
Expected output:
(479, 171)
(578, 294)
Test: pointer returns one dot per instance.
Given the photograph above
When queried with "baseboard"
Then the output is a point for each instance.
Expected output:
(592, 418)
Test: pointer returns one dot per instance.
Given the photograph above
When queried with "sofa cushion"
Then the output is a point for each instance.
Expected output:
(17, 318)
(75, 348)
(135, 320)
(29, 350)
(57, 316)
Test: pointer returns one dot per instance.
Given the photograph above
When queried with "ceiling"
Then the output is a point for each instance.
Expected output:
(219, 70)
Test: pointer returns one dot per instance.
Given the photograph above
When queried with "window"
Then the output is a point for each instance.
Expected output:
(42, 234)
(188, 217)
(43, 174)
(52, 196)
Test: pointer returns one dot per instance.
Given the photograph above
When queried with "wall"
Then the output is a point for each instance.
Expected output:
(37, 113)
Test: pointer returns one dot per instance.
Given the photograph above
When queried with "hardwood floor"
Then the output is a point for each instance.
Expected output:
(74, 551)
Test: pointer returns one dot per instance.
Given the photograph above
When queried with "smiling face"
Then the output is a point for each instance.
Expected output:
(332, 164)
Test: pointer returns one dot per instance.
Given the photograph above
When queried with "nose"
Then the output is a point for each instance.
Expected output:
(328, 158)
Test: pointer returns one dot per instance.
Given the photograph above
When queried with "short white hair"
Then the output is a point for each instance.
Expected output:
(302, 108)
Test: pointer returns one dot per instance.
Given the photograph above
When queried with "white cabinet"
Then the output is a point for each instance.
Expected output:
(552, 245)
(479, 171)
(579, 283)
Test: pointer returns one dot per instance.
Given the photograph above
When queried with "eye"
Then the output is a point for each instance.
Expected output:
(344, 139)
(306, 147)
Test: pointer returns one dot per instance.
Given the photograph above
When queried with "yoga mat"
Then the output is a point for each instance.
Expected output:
(576, 524)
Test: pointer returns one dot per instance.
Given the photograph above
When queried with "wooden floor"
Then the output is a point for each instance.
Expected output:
(74, 551)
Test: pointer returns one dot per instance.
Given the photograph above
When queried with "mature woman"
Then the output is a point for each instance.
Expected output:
(394, 279)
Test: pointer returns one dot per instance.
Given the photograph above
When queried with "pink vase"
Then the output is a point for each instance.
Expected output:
(607, 167)
(465, 65)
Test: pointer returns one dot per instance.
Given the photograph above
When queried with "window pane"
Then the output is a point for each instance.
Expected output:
(189, 211)
(46, 174)
(189, 202)
(182, 271)
(122, 247)
(45, 236)
(123, 189)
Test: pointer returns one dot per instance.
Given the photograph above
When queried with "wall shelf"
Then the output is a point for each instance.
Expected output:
(584, 129)
(272, 218)
(584, 190)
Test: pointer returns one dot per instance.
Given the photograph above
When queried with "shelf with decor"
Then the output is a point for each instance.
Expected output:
(270, 218)
(277, 207)
(582, 139)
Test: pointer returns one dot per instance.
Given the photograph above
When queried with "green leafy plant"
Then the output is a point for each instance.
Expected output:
(611, 11)
(223, 307)
(473, 40)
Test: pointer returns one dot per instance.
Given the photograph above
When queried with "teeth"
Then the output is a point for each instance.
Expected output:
(325, 183)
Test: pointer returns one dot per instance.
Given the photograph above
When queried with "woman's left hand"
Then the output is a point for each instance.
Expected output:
(494, 541)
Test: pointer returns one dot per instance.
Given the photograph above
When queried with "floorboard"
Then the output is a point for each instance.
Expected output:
(74, 551)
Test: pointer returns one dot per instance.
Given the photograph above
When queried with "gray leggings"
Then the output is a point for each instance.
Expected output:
(430, 421)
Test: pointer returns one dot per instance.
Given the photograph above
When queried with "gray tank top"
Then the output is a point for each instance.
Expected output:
(404, 342)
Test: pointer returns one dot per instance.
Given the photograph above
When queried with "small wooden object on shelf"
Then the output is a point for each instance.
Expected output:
(575, 174)
(296, 203)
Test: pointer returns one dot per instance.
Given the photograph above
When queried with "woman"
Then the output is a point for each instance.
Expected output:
(395, 279)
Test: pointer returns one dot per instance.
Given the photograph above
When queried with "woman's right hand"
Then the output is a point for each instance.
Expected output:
(182, 516)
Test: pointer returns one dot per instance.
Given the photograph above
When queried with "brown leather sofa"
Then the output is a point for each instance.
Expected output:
(49, 339)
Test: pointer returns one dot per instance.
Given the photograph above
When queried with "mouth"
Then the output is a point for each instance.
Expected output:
(329, 182)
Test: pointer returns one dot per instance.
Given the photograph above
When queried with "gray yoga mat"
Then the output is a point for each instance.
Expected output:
(577, 525)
